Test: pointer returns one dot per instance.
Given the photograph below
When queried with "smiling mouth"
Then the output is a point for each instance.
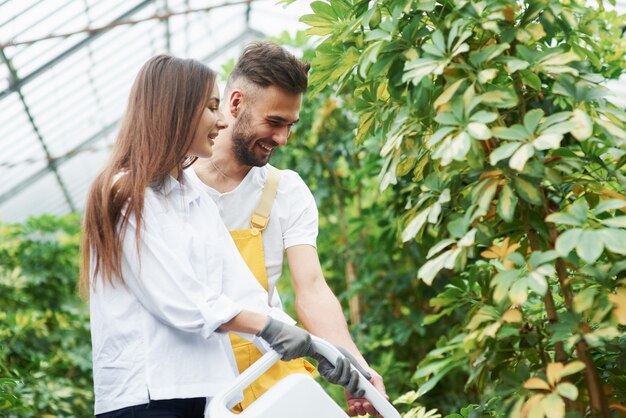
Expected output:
(266, 147)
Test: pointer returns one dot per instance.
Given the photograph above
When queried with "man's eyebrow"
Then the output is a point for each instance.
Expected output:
(282, 120)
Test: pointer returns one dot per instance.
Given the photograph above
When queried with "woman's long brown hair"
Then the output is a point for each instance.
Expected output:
(164, 108)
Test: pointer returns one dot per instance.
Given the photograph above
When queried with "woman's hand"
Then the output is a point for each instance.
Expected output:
(287, 340)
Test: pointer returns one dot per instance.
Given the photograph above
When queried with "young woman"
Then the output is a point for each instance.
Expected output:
(164, 279)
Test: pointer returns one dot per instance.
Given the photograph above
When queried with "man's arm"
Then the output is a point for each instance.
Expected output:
(317, 307)
(320, 313)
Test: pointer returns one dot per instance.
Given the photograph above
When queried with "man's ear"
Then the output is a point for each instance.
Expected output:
(235, 103)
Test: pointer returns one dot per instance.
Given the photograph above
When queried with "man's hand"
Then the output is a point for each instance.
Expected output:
(341, 373)
(287, 340)
(361, 406)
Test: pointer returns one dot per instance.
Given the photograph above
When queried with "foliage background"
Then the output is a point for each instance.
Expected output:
(462, 339)
(45, 350)
(477, 133)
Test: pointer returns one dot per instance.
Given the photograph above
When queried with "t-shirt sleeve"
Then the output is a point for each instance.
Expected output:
(302, 220)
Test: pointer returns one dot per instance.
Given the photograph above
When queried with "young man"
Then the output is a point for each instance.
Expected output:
(261, 103)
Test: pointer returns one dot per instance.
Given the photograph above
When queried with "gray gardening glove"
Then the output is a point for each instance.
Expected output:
(287, 340)
(341, 373)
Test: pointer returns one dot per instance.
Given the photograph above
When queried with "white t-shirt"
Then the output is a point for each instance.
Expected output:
(156, 337)
(293, 219)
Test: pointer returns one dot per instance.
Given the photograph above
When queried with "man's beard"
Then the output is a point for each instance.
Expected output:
(244, 143)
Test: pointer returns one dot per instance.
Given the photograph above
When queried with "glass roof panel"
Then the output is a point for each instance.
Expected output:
(78, 172)
(22, 154)
(43, 196)
(75, 89)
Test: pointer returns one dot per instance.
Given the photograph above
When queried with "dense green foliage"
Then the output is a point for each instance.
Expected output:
(45, 351)
(471, 179)
(502, 166)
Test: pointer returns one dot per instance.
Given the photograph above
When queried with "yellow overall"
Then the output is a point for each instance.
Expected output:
(250, 245)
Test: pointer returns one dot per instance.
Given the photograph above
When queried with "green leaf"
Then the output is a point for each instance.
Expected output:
(519, 292)
(531, 79)
(485, 198)
(567, 241)
(607, 205)
(583, 126)
(579, 210)
(614, 240)
(532, 119)
(584, 300)
(441, 134)
(589, 246)
(503, 152)
(416, 69)
(559, 59)
(457, 227)
(430, 384)
(554, 118)
(477, 58)
(448, 93)
(503, 98)
(415, 225)
(538, 258)
(484, 117)
(527, 190)
(454, 149)
(515, 133)
(561, 218)
(568, 390)
(615, 222)
(547, 141)
(521, 156)
(507, 203)
(513, 64)
(502, 283)
(430, 269)
(553, 406)
(426, 5)
(438, 41)
(439, 246)
(487, 75)
(447, 118)
(369, 57)
(517, 259)
(537, 283)
(319, 25)
(478, 130)
(572, 368)
(323, 10)
(377, 35)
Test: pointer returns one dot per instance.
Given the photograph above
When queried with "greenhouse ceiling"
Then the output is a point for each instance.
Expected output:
(66, 67)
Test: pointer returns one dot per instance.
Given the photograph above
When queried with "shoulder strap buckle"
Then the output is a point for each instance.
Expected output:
(261, 216)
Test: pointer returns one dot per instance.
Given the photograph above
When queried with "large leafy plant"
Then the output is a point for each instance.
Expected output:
(45, 352)
(506, 162)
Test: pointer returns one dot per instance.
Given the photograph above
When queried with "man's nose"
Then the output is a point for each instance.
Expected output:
(280, 135)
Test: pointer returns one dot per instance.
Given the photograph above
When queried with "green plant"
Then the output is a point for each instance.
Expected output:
(505, 164)
(44, 327)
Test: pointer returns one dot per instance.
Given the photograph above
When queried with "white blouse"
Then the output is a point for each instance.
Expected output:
(156, 336)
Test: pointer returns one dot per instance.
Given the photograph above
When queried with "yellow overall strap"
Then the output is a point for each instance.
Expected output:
(261, 216)
(250, 245)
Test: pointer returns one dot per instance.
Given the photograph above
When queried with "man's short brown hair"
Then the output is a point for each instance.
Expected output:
(265, 63)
